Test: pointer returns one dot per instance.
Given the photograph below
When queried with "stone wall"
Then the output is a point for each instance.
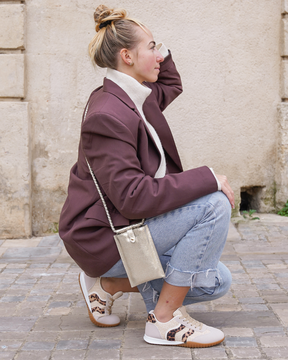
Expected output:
(228, 54)
(282, 149)
(15, 141)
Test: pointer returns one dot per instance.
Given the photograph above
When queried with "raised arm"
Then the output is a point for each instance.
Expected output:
(168, 85)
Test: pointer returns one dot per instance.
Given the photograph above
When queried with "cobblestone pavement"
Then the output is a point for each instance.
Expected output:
(43, 315)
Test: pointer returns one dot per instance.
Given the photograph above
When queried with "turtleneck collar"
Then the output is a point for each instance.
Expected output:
(138, 93)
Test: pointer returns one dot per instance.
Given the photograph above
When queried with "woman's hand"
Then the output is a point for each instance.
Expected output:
(226, 188)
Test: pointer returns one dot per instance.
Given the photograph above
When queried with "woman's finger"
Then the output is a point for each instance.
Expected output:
(226, 189)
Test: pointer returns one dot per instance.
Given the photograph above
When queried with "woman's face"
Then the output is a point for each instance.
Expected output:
(146, 58)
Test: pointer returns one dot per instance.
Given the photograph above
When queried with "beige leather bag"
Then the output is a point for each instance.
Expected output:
(136, 248)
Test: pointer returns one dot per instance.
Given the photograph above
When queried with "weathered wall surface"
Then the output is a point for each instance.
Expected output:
(15, 139)
(228, 53)
(282, 148)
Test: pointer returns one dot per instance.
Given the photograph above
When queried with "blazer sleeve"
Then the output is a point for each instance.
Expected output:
(169, 85)
(118, 170)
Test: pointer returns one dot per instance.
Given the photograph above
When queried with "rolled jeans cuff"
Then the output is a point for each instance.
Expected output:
(203, 279)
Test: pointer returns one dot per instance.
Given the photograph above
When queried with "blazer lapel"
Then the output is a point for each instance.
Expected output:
(162, 128)
(111, 87)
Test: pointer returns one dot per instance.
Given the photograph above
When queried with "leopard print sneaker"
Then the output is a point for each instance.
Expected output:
(99, 303)
(181, 330)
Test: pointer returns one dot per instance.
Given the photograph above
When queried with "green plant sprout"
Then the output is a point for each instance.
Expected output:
(284, 211)
(249, 215)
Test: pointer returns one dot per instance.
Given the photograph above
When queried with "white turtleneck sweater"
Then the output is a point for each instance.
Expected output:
(138, 93)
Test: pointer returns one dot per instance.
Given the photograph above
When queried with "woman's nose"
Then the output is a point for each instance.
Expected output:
(160, 57)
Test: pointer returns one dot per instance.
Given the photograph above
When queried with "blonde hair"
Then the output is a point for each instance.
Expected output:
(117, 32)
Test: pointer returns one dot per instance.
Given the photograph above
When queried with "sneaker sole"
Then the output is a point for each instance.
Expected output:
(189, 344)
(94, 321)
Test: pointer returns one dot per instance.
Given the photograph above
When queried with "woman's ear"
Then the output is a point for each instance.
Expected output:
(126, 56)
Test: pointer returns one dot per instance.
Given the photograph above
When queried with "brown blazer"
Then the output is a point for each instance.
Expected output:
(124, 158)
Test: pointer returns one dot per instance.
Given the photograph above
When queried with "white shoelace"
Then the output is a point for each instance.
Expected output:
(109, 304)
(190, 321)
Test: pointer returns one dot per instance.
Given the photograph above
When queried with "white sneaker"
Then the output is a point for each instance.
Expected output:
(99, 303)
(181, 330)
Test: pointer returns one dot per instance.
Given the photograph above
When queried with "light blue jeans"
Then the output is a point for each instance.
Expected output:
(189, 241)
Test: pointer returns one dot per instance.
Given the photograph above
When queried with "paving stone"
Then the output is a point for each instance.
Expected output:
(268, 286)
(276, 298)
(13, 335)
(159, 353)
(25, 281)
(136, 325)
(227, 307)
(9, 345)
(22, 286)
(108, 334)
(30, 311)
(252, 300)
(239, 332)
(61, 266)
(246, 353)
(41, 345)
(68, 355)
(103, 354)
(237, 271)
(34, 355)
(38, 336)
(51, 323)
(14, 292)
(76, 335)
(10, 299)
(42, 291)
(7, 355)
(282, 311)
(75, 323)
(239, 319)
(210, 353)
(21, 243)
(7, 309)
(272, 292)
(240, 341)
(38, 298)
(49, 241)
(6, 280)
(253, 264)
(106, 344)
(279, 275)
(72, 345)
(31, 253)
(70, 279)
(12, 271)
(276, 353)
(255, 307)
(40, 265)
(194, 308)
(269, 331)
(57, 304)
(50, 279)
(275, 341)
(18, 323)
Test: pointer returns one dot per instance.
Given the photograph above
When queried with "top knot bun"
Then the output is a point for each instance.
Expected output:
(117, 31)
(103, 14)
